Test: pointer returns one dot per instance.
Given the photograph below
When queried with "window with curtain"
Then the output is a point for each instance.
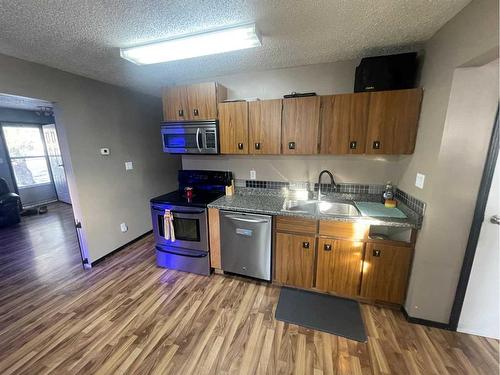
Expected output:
(27, 155)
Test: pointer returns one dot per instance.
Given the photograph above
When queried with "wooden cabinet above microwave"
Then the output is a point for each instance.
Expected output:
(192, 102)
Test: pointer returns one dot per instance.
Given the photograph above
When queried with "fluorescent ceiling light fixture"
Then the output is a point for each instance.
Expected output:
(194, 45)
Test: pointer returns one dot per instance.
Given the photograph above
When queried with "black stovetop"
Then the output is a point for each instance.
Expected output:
(200, 199)
(207, 186)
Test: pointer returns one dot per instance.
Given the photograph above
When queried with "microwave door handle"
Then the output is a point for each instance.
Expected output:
(198, 139)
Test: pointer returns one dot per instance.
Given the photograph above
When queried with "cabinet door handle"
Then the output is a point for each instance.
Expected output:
(327, 247)
(376, 145)
(291, 145)
(240, 146)
(180, 112)
(377, 253)
(257, 146)
(353, 145)
(195, 112)
(305, 244)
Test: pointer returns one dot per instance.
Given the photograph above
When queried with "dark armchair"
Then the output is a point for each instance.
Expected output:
(10, 204)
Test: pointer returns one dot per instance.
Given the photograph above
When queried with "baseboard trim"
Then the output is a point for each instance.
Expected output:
(425, 322)
(120, 248)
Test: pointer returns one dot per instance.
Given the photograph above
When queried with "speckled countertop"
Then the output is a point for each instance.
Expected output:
(271, 203)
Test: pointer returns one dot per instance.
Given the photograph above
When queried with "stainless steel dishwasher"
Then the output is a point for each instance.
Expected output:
(246, 244)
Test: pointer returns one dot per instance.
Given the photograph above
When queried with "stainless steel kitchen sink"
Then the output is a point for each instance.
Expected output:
(321, 207)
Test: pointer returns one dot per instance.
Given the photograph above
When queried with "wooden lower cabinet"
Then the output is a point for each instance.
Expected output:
(339, 257)
(385, 272)
(339, 266)
(295, 255)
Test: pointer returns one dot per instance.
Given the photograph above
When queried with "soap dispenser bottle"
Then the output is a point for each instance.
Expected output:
(388, 195)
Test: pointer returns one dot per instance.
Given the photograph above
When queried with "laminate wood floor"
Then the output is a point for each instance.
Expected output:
(126, 316)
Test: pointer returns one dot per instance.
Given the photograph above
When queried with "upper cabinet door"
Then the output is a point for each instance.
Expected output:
(233, 127)
(300, 125)
(264, 122)
(202, 101)
(344, 120)
(393, 121)
(175, 104)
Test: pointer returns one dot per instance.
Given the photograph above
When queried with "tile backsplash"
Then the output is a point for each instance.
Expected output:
(411, 202)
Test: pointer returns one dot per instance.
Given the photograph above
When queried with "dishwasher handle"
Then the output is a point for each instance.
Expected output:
(239, 218)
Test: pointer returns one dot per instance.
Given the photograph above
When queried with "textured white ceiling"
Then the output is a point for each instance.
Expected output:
(83, 36)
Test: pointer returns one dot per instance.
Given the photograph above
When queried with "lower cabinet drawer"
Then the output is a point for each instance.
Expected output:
(338, 229)
(295, 259)
(385, 272)
(339, 266)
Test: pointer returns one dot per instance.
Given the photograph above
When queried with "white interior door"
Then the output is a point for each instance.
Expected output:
(56, 163)
(481, 311)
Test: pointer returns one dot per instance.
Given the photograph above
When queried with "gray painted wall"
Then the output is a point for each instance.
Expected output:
(451, 156)
(91, 115)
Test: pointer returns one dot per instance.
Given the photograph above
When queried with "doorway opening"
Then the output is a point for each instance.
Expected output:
(37, 223)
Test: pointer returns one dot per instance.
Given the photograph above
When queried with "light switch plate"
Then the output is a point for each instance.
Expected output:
(419, 181)
(253, 175)
(128, 165)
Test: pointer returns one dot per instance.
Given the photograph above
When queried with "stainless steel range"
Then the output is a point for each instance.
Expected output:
(185, 246)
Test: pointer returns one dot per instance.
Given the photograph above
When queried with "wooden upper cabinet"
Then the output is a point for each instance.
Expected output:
(233, 127)
(295, 259)
(193, 102)
(393, 121)
(339, 266)
(175, 106)
(300, 125)
(264, 127)
(344, 119)
(385, 272)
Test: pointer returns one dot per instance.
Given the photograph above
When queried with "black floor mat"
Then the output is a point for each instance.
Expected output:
(323, 312)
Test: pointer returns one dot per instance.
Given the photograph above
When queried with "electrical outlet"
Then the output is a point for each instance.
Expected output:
(253, 174)
(105, 151)
(419, 181)
(123, 227)
(128, 165)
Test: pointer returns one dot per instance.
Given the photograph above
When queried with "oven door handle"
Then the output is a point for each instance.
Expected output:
(198, 139)
(187, 212)
(161, 211)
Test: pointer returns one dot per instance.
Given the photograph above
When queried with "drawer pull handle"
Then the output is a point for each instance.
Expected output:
(353, 145)
(257, 146)
(328, 247)
(377, 253)
(195, 112)
(291, 145)
(240, 146)
(181, 112)
(305, 245)
(376, 145)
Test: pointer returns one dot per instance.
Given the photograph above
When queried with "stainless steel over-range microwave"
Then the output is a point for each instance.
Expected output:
(190, 137)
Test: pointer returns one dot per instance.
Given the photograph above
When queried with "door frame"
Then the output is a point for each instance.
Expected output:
(477, 221)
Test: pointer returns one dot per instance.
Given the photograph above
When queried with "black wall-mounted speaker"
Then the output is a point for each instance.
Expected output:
(391, 72)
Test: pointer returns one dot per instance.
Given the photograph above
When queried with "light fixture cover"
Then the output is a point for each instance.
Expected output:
(194, 45)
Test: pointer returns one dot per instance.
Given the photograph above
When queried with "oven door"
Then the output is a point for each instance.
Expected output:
(190, 227)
